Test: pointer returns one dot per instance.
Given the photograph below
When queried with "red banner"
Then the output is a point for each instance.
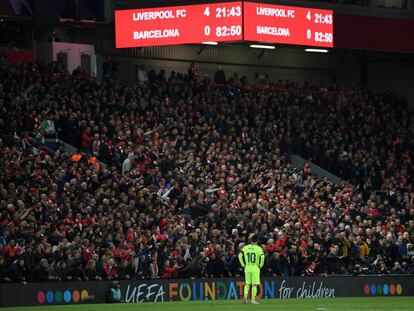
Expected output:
(23, 56)
(374, 33)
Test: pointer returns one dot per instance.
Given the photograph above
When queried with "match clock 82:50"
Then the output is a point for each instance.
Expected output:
(224, 31)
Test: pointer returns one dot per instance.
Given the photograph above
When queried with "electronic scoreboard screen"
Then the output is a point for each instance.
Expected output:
(288, 25)
(216, 22)
(220, 22)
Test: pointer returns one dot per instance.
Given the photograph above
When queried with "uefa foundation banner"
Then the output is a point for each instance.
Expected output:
(137, 291)
(271, 288)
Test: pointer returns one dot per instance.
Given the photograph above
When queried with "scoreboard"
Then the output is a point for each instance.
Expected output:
(288, 25)
(179, 24)
(220, 22)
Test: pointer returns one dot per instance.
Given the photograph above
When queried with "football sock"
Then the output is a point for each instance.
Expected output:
(246, 290)
(254, 292)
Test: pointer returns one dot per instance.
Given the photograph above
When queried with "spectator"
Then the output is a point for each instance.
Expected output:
(96, 145)
(333, 261)
(62, 272)
(170, 270)
(18, 272)
(220, 76)
(363, 247)
(4, 60)
(195, 267)
(110, 269)
(41, 273)
(193, 72)
(154, 270)
(127, 164)
(55, 37)
(278, 265)
(91, 272)
(126, 270)
(114, 294)
(3, 271)
(142, 77)
(10, 250)
(109, 68)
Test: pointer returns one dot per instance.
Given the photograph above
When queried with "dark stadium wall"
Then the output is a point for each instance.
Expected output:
(275, 73)
(396, 76)
(65, 293)
(342, 66)
(282, 63)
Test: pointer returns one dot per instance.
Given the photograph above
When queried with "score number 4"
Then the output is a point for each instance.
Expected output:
(207, 11)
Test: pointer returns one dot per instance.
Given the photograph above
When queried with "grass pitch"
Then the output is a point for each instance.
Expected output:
(334, 304)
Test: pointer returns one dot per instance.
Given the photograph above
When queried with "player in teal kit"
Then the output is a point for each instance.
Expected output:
(251, 259)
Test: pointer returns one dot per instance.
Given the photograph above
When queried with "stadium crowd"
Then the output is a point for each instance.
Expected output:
(189, 169)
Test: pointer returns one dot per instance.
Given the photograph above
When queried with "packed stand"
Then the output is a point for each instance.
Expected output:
(190, 169)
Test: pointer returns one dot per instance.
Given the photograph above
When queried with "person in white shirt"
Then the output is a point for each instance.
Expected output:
(127, 164)
(142, 75)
